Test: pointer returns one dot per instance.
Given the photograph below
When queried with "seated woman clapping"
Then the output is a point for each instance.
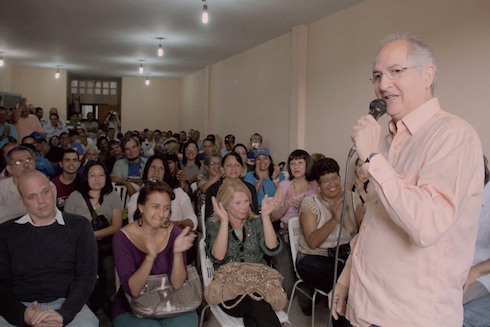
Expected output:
(319, 218)
(151, 245)
(236, 234)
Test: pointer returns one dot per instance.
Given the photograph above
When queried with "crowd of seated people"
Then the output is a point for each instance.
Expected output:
(183, 173)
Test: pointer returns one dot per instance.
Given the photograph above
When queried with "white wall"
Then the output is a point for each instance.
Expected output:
(341, 49)
(254, 91)
(248, 93)
(155, 106)
(195, 101)
(41, 88)
(6, 77)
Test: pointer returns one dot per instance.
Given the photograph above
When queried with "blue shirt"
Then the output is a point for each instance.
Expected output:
(12, 133)
(268, 187)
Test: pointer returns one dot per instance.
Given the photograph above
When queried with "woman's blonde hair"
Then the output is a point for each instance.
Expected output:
(225, 195)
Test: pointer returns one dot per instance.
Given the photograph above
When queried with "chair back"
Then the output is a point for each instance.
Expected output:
(207, 269)
(202, 220)
(294, 230)
(123, 193)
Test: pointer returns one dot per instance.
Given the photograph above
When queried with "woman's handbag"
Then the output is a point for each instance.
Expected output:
(158, 299)
(239, 279)
(100, 222)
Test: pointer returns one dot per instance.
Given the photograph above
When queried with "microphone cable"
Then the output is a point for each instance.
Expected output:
(342, 217)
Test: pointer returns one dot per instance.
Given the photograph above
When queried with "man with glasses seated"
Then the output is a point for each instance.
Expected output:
(20, 160)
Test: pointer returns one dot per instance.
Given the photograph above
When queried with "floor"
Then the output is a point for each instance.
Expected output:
(296, 317)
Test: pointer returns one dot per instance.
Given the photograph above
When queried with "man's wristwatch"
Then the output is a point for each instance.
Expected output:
(370, 157)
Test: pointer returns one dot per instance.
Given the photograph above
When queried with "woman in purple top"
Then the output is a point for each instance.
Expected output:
(151, 245)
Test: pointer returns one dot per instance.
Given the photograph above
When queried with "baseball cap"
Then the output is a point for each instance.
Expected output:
(230, 138)
(260, 151)
(38, 136)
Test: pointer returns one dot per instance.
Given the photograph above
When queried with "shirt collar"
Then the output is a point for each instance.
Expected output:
(417, 118)
(27, 219)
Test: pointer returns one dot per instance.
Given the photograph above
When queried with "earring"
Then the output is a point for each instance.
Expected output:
(140, 222)
(166, 224)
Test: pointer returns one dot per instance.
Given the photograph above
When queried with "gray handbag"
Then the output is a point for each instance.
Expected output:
(158, 299)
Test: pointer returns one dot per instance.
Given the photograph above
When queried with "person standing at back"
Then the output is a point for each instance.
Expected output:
(412, 255)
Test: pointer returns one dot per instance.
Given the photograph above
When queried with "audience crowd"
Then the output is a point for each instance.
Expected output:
(198, 182)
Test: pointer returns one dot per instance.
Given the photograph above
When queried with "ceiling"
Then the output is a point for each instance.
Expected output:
(108, 38)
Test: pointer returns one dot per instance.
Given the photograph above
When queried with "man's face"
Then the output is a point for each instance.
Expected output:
(38, 198)
(157, 136)
(208, 147)
(229, 143)
(64, 140)
(182, 137)
(111, 133)
(74, 118)
(90, 116)
(22, 162)
(132, 150)
(39, 114)
(407, 92)
(70, 163)
(149, 135)
(196, 135)
(53, 120)
(116, 150)
(25, 112)
(3, 115)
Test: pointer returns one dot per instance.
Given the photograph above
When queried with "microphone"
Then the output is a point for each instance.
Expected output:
(377, 108)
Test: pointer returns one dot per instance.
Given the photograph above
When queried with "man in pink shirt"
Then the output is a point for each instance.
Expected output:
(24, 122)
(411, 258)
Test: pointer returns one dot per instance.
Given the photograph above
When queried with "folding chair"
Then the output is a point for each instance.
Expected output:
(202, 220)
(294, 233)
(123, 193)
(223, 319)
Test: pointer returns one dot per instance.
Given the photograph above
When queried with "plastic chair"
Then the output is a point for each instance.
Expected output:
(294, 230)
(123, 193)
(223, 319)
(202, 220)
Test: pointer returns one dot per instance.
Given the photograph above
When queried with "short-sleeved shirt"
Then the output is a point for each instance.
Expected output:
(267, 188)
(76, 204)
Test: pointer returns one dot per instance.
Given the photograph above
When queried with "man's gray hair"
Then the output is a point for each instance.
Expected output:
(419, 53)
(8, 158)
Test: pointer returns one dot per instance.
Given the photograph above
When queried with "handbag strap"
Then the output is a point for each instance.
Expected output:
(90, 207)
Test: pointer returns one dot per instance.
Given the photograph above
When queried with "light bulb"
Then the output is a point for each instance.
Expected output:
(141, 69)
(160, 51)
(57, 75)
(147, 82)
(205, 16)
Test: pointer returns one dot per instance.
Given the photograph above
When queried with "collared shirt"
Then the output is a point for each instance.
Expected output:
(50, 130)
(416, 242)
(11, 205)
(12, 133)
(27, 219)
(121, 167)
(26, 125)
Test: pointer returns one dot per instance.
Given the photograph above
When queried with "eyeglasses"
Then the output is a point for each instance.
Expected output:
(326, 181)
(22, 162)
(215, 163)
(393, 73)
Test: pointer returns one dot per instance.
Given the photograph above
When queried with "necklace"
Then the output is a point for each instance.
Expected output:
(238, 232)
